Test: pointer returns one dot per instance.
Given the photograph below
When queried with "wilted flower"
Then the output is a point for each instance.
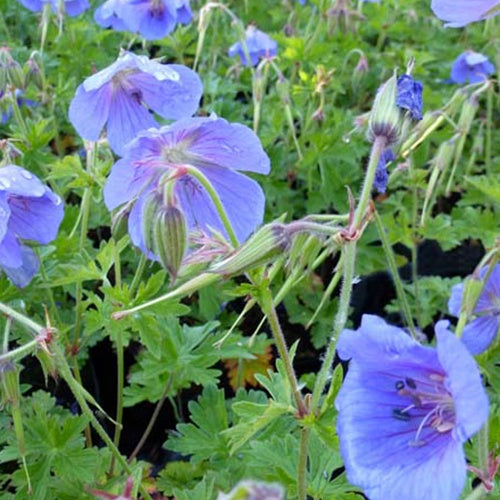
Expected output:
(258, 44)
(409, 96)
(153, 19)
(71, 7)
(472, 67)
(123, 94)
(405, 411)
(156, 164)
(481, 331)
(381, 175)
(458, 13)
(29, 210)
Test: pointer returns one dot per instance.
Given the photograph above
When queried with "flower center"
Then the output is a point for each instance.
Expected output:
(156, 7)
(431, 403)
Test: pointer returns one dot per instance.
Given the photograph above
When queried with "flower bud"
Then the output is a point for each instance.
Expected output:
(150, 211)
(269, 241)
(9, 376)
(119, 221)
(385, 116)
(33, 73)
(11, 68)
(170, 238)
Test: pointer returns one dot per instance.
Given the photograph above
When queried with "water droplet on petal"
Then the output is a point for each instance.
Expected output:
(4, 183)
(26, 175)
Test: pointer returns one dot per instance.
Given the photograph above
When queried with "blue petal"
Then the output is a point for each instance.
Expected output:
(10, 251)
(89, 111)
(214, 141)
(127, 117)
(125, 182)
(464, 383)
(23, 274)
(461, 12)
(36, 218)
(4, 214)
(171, 99)
(409, 96)
(455, 301)
(480, 333)
(242, 198)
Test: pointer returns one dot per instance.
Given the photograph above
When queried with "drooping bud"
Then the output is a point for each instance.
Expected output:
(11, 68)
(34, 72)
(385, 116)
(268, 242)
(170, 238)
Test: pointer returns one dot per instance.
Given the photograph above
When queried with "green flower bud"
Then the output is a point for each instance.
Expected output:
(9, 376)
(385, 117)
(149, 216)
(170, 238)
(268, 242)
(33, 73)
(119, 221)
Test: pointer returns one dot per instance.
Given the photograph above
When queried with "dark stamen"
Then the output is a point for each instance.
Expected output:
(400, 415)
(400, 385)
(410, 383)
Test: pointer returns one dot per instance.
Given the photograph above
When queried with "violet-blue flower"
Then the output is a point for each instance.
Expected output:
(409, 96)
(29, 210)
(471, 67)
(153, 19)
(156, 161)
(405, 411)
(122, 94)
(71, 7)
(259, 45)
(381, 175)
(482, 330)
(106, 15)
(6, 113)
(458, 13)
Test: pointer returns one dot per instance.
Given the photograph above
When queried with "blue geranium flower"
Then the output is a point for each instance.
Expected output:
(472, 67)
(458, 13)
(258, 44)
(405, 411)
(482, 330)
(155, 163)
(123, 94)
(153, 19)
(71, 7)
(29, 210)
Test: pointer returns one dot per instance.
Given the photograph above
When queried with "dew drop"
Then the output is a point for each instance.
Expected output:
(346, 138)
(26, 175)
(4, 183)
(57, 200)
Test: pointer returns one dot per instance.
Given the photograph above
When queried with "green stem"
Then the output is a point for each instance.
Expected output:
(477, 493)
(191, 286)
(20, 352)
(18, 115)
(391, 261)
(302, 468)
(267, 306)
(414, 253)
(349, 256)
(20, 318)
(489, 122)
(483, 448)
(138, 274)
(119, 394)
(153, 418)
(74, 386)
(378, 147)
(200, 177)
